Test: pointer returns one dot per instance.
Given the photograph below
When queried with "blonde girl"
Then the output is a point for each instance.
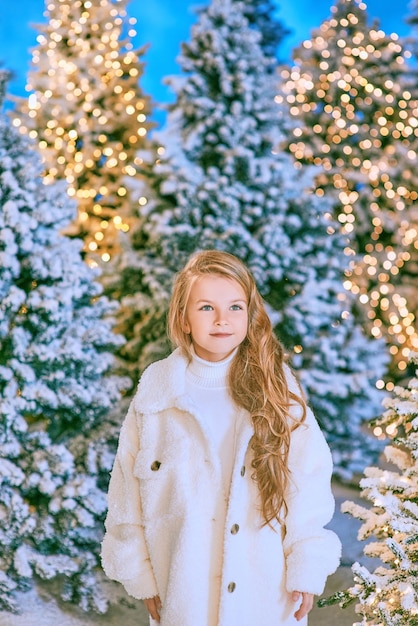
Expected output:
(220, 489)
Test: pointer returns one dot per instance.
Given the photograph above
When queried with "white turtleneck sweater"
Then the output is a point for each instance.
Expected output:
(207, 385)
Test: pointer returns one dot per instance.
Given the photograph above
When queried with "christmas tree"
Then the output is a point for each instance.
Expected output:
(141, 319)
(262, 16)
(350, 95)
(90, 124)
(388, 596)
(56, 387)
(222, 184)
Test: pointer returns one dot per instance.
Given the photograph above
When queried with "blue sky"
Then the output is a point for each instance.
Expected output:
(164, 24)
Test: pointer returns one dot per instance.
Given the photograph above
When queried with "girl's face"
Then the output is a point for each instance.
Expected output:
(216, 316)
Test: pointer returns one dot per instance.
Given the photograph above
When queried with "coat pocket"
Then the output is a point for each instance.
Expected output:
(158, 486)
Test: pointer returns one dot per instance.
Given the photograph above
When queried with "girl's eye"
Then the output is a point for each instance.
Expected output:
(206, 307)
(236, 307)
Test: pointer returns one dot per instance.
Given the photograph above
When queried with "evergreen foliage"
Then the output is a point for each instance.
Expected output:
(141, 318)
(388, 596)
(222, 184)
(350, 96)
(89, 114)
(412, 20)
(56, 388)
(262, 16)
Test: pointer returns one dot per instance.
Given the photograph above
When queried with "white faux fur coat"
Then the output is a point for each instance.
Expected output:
(166, 500)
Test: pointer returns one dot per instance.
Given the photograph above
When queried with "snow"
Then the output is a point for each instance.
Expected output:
(39, 608)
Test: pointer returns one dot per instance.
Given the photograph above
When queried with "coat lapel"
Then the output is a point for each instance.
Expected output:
(162, 385)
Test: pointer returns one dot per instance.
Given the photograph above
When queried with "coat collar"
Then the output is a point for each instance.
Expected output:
(162, 385)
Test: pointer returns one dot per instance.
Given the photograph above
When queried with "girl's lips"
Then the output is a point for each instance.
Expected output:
(220, 334)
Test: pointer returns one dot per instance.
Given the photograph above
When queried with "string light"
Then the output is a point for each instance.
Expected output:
(358, 123)
(88, 114)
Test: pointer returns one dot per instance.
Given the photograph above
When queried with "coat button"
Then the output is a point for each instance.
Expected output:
(234, 529)
(155, 466)
(231, 587)
(243, 470)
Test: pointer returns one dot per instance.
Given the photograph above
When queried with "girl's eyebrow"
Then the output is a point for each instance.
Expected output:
(211, 301)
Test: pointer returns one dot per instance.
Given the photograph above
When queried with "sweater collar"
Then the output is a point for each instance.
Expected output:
(209, 374)
(170, 375)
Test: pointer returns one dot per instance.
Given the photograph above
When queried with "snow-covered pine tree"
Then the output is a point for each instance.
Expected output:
(262, 16)
(141, 319)
(222, 184)
(350, 96)
(56, 388)
(412, 20)
(88, 113)
(388, 596)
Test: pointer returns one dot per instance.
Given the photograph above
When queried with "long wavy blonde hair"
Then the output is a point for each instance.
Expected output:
(257, 379)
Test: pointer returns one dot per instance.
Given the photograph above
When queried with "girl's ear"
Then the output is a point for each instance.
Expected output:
(186, 326)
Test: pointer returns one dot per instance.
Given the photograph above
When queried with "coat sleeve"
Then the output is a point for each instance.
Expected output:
(124, 552)
(312, 552)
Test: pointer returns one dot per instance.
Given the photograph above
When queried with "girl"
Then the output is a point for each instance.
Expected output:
(221, 485)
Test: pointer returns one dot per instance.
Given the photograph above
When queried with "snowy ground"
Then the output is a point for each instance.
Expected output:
(40, 609)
